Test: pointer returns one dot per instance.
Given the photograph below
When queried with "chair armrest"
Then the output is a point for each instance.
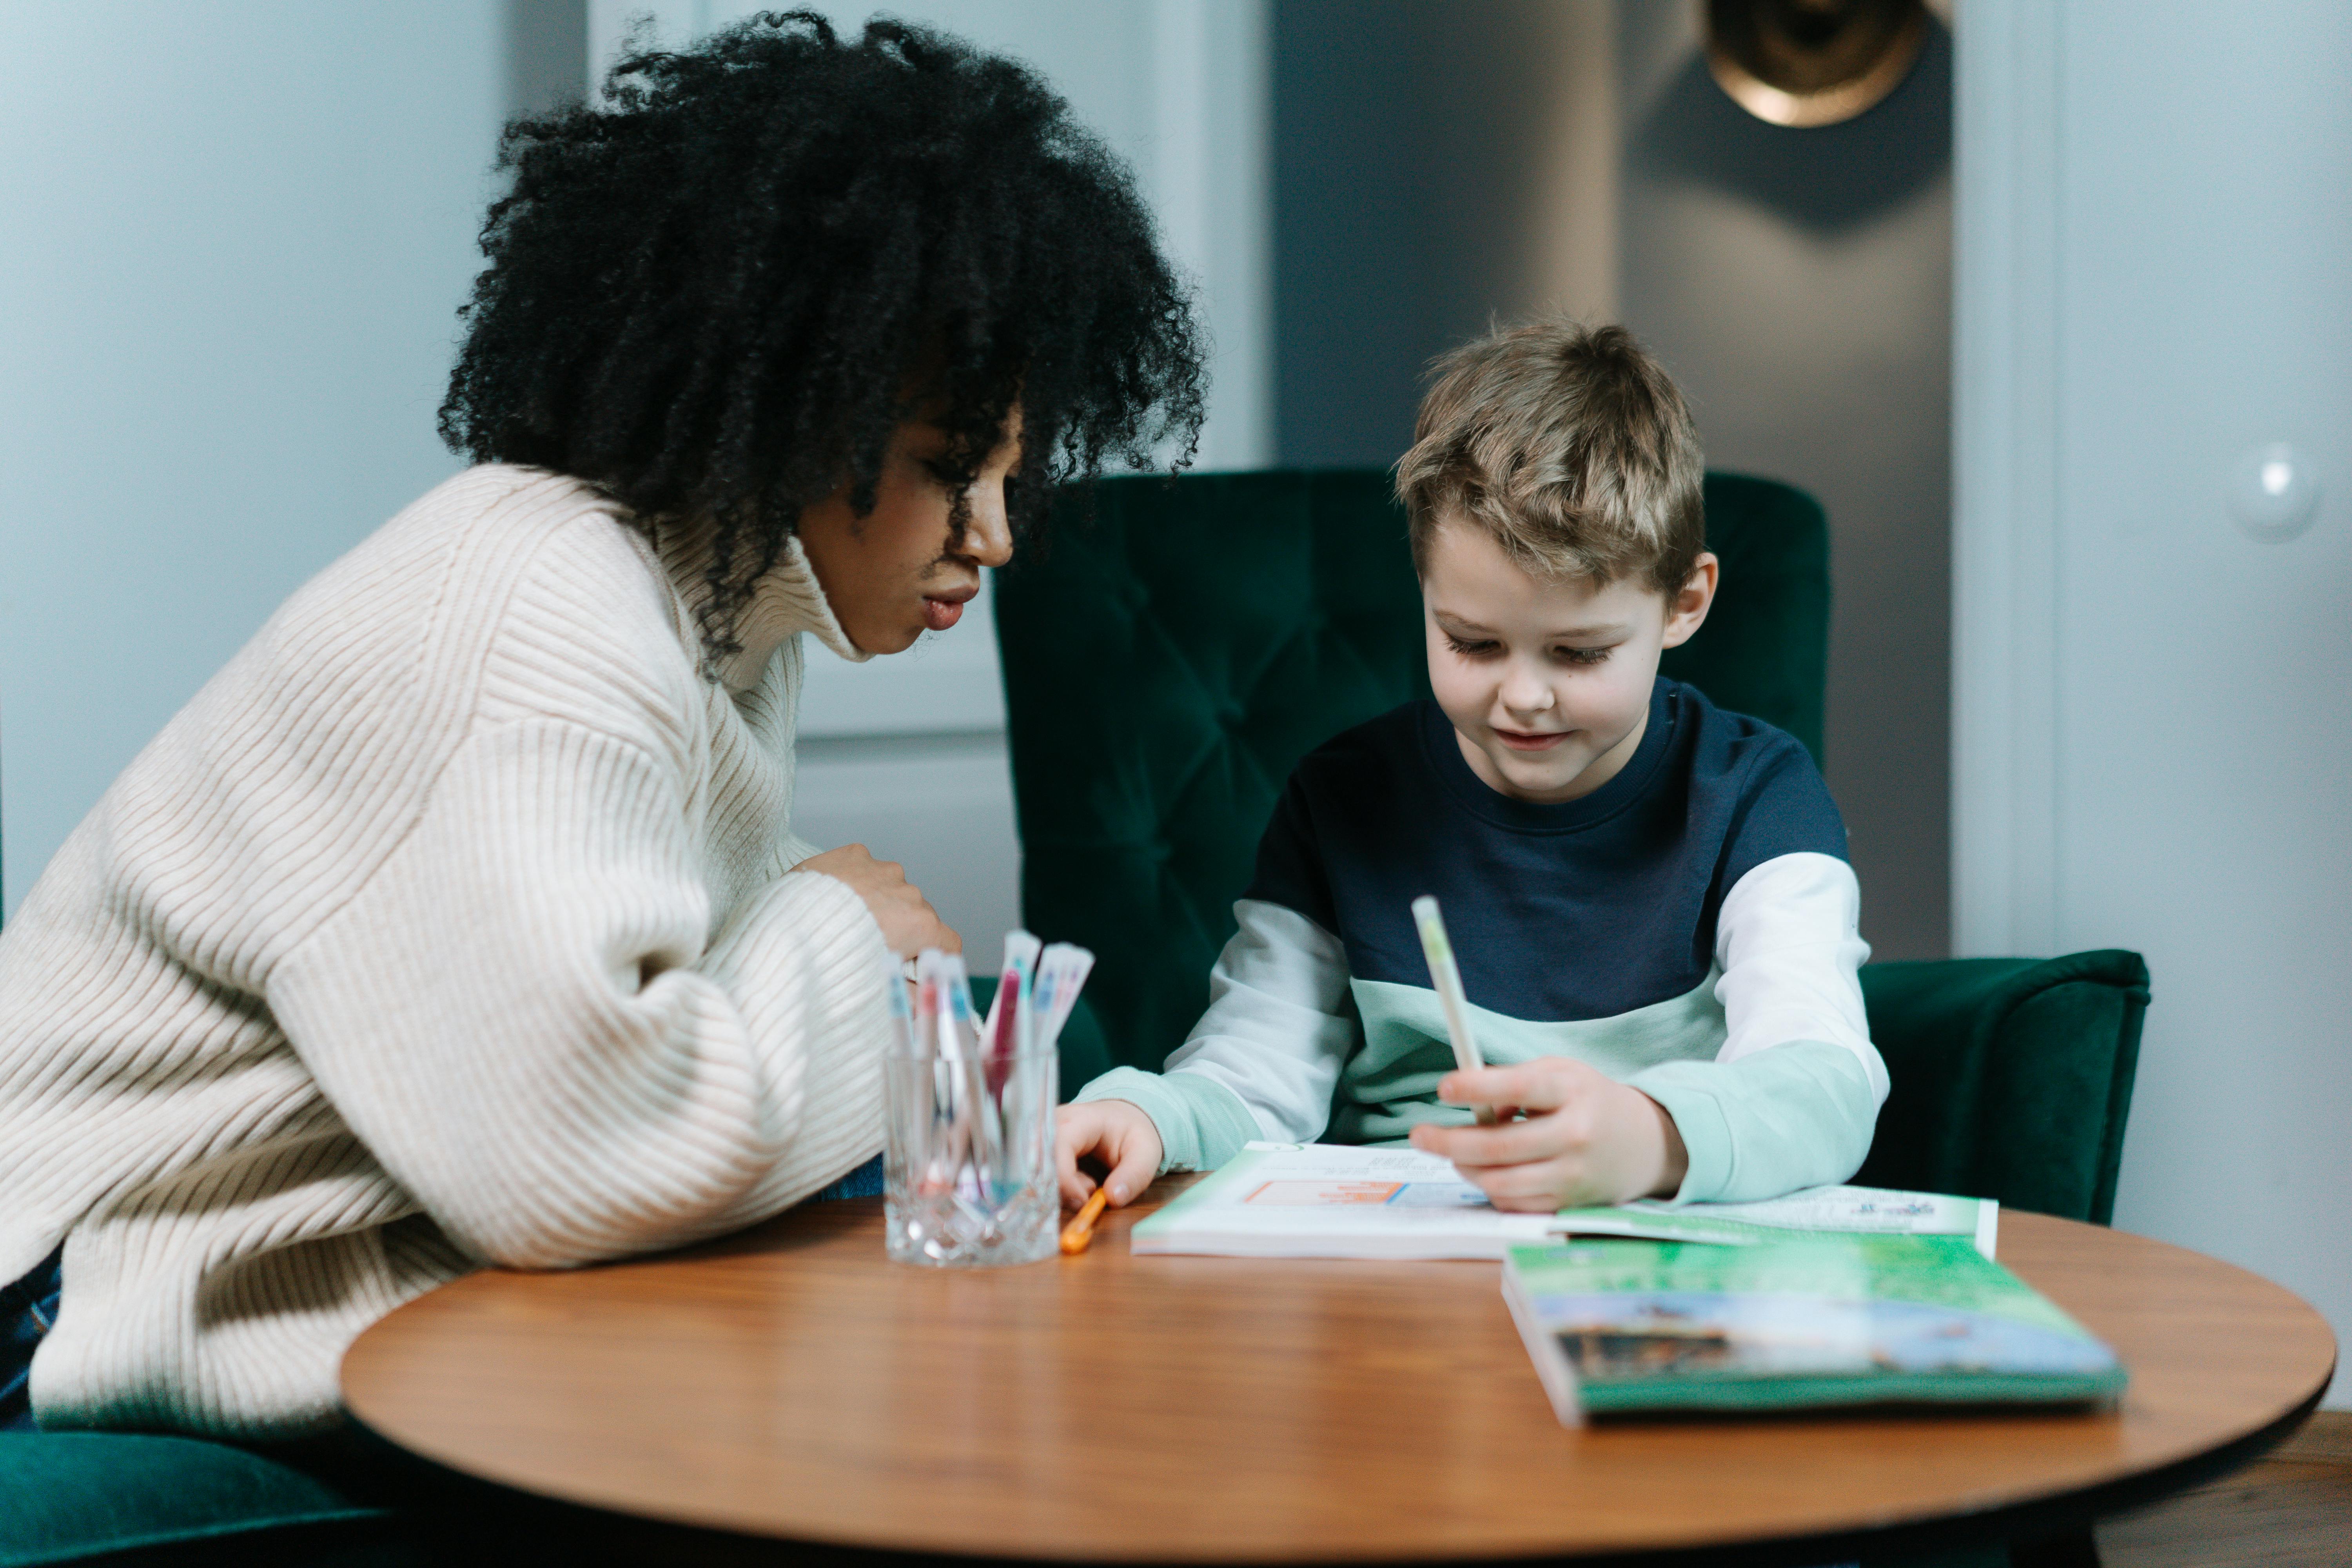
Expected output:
(2011, 1076)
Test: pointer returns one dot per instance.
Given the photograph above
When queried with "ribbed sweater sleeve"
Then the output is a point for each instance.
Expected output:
(526, 1017)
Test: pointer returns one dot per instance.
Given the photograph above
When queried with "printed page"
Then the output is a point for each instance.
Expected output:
(1328, 1200)
(1321, 1200)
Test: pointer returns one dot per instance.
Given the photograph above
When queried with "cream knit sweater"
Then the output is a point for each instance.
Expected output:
(453, 922)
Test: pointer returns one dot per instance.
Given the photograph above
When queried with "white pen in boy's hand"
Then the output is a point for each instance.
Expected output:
(1447, 980)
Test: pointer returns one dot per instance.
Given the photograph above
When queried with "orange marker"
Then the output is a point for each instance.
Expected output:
(1081, 1228)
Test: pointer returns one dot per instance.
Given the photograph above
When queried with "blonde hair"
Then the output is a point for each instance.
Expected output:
(1569, 446)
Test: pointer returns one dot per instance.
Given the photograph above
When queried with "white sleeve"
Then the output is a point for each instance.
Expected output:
(1280, 1023)
(528, 1018)
(1789, 943)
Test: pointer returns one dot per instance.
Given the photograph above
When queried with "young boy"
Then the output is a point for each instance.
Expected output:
(1648, 897)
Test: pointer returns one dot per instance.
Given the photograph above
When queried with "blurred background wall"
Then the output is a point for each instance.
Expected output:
(235, 237)
(232, 240)
(1437, 163)
(1799, 283)
(2151, 737)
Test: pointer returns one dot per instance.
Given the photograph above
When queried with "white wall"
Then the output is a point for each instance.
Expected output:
(907, 753)
(236, 235)
(2152, 709)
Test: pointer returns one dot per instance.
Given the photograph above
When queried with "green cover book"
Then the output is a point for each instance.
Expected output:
(1627, 1326)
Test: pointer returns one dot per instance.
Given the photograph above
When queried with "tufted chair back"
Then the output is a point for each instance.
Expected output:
(1169, 658)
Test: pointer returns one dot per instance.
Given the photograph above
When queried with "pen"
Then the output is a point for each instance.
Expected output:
(1081, 1228)
(1446, 979)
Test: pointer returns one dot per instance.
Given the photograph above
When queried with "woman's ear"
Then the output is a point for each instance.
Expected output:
(1688, 610)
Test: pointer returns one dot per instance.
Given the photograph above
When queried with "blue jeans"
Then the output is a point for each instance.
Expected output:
(30, 1306)
(27, 1308)
(866, 1182)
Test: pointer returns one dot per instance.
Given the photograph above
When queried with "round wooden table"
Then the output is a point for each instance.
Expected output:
(791, 1383)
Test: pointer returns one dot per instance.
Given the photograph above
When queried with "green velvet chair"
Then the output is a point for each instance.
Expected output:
(1178, 644)
(108, 1497)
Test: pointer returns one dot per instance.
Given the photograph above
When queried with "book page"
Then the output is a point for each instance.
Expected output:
(1328, 1200)
(1845, 1211)
(1323, 1200)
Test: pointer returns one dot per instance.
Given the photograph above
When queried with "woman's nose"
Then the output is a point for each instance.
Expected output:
(988, 535)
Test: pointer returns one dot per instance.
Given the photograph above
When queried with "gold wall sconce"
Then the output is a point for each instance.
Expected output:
(1812, 62)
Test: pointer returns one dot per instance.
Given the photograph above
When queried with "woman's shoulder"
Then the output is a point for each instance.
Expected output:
(499, 524)
(503, 591)
(559, 600)
(477, 530)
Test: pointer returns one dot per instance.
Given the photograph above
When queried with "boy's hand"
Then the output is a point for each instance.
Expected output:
(1582, 1139)
(1114, 1133)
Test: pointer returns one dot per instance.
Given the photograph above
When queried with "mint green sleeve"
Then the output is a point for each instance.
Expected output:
(1202, 1124)
(1798, 1114)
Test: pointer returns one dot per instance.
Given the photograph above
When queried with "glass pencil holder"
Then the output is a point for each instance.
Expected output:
(968, 1177)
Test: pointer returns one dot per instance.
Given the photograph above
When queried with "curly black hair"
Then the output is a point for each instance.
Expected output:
(722, 292)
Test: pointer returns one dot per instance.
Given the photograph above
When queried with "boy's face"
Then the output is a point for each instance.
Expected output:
(1547, 680)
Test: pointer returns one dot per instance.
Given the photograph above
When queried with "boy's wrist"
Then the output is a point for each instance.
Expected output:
(1673, 1165)
(1201, 1123)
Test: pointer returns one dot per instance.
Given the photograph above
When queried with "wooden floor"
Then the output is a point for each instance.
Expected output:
(2292, 1509)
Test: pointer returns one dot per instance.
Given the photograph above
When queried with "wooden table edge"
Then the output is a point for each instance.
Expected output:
(2029, 1521)
(2025, 1519)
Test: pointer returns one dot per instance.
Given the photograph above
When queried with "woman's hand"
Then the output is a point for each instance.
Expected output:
(1114, 1133)
(909, 922)
(1571, 1137)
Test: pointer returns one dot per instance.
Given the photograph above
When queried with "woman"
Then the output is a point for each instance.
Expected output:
(458, 919)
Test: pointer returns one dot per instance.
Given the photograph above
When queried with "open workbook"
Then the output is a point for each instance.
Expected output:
(1324, 1200)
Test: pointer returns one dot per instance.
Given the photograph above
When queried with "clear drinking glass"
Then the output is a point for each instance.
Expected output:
(968, 1176)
